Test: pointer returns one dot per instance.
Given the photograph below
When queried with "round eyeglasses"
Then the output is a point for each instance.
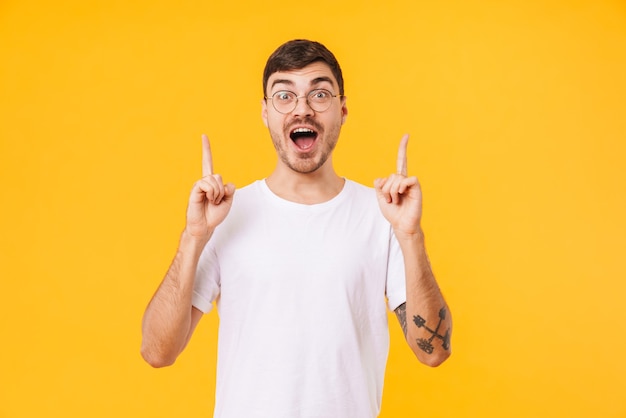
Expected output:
(285, 101)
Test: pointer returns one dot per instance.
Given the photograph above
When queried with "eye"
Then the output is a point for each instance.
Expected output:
(320, 95)
(284, 96)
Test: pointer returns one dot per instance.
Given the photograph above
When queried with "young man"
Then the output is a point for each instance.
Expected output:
(302, 265)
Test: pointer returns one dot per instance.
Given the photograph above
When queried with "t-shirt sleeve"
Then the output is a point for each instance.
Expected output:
(396, 281)
(207, 283)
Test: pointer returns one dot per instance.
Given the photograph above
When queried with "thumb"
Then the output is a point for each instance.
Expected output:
(229, 189)
(380, 195)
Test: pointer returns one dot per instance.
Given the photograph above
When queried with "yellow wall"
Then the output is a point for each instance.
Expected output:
(518, 120)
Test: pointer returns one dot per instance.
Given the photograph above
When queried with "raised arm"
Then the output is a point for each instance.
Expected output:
(170, 319)
(425, 317)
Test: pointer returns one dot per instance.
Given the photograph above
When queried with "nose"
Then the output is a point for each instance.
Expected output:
(302, 107)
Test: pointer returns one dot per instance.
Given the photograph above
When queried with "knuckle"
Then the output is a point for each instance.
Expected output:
(200, 184)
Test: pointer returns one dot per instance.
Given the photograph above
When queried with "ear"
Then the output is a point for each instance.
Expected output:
(344, 110)
(264, 111)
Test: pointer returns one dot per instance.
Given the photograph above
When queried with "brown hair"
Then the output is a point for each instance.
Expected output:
(297, 54)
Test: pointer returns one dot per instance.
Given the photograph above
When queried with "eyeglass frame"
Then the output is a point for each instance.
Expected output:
(306, 96)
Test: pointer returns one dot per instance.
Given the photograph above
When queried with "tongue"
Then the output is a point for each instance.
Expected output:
(304, 143)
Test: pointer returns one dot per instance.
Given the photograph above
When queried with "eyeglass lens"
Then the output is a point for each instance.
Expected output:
(286, 101)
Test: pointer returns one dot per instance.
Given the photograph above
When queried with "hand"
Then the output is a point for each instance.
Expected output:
(400, 197)
(210, 198)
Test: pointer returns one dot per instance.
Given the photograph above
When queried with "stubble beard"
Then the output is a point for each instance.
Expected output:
(306, 163)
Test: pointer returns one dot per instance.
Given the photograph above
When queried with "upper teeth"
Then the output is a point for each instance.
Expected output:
(301, 130)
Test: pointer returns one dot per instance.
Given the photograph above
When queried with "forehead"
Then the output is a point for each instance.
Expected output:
(317, 74)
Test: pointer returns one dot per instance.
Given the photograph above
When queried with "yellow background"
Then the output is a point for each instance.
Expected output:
(518, 120)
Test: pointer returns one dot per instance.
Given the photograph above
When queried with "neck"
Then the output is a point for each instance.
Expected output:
(309, 189)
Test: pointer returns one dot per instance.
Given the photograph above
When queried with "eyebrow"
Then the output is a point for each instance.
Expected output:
(319, 80)
(314, 82)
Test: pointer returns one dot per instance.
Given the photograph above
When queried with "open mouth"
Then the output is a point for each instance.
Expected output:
(303, 138)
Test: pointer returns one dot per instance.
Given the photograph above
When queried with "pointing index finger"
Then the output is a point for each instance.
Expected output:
(401, 162)
(207, 159)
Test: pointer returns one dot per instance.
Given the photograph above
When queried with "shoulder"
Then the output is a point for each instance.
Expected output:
(359, 186)
(247, 206)
(362, 200)
(248, 192)
(360, 191)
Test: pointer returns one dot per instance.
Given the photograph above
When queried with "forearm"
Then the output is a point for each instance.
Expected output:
(426, 321)
(167, 321)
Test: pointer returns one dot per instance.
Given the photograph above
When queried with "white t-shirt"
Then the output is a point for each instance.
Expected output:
(300, 291)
